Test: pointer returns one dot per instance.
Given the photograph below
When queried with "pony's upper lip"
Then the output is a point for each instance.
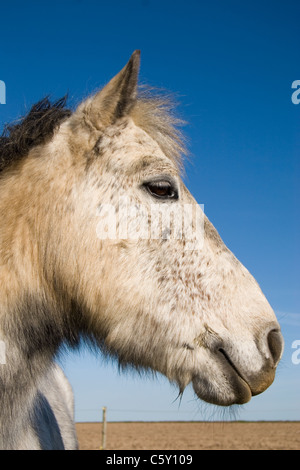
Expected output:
(246, 381)
(244, 384)
(232, 365)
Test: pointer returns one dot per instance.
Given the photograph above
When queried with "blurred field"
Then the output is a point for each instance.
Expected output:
(191, 436)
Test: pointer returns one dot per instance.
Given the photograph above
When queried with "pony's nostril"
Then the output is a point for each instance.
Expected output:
(275, 343)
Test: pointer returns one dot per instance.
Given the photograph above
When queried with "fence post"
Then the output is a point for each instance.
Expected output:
(103, 446)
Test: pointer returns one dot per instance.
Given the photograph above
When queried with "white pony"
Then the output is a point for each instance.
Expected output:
(171, 302)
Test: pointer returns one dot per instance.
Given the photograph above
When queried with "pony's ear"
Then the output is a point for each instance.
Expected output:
(117, 97)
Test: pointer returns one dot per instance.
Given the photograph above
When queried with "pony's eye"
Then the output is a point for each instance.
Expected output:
(162, 189)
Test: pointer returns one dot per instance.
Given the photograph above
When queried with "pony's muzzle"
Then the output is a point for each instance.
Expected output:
(244, 377)
(270, 348)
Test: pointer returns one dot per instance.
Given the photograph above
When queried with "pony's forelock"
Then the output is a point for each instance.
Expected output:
(35, 128)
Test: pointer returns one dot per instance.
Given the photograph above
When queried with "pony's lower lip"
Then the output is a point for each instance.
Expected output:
(235, 390)
(238, 394)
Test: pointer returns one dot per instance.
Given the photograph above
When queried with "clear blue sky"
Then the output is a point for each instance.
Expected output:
(232, 64)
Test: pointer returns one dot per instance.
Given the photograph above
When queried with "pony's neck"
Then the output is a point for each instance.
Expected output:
(31, 341)
(35, 309)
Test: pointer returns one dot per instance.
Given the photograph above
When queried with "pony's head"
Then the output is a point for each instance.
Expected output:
(129, 259)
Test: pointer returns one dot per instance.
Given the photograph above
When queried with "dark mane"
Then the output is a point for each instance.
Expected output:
(36, 128)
